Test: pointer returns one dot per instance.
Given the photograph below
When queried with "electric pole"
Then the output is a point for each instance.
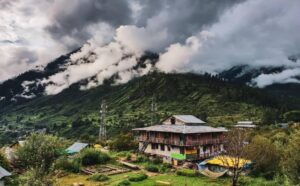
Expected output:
(153, 109)
(102, 127)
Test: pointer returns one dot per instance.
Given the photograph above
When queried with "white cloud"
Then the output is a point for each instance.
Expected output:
(286, 76)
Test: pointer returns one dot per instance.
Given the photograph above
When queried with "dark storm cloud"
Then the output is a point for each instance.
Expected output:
(184, 18)
(83, 13)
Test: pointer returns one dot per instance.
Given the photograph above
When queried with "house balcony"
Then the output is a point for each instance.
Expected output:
(177, 142)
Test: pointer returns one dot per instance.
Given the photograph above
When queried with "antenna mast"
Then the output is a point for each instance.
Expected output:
(102, 127)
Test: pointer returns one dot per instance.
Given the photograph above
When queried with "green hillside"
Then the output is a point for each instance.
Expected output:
(75, 113)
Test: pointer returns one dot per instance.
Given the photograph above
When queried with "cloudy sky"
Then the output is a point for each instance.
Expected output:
(191, 35)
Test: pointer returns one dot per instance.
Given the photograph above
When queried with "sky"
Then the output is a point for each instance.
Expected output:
(189, 36)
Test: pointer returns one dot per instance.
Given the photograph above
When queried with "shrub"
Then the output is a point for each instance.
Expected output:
(128, 157)
(124, 183)
(98, 177)
(187, 172)
(67, 165)
(3, 161)
(137, 177)
(151, 168)
(141, 158)
(157, 161)
(91, 157)
(165, 168)
(247, 181)
(123, 143)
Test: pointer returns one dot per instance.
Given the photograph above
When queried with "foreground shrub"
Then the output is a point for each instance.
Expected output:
(165, 168)
(98, 177)
(65, 164)
(187, 172)
(39, 152)
(124, 183)
(247, 181)
(123, 143)
(151, 168)
(157, 160)
(3, 161)
(33, 178)
(91, 157)
(141, 158)
(137, 177)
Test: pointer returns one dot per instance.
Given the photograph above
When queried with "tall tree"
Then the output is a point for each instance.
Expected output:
(233, 158)
(38, 154)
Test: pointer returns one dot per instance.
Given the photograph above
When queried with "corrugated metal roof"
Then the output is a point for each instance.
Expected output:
(184, 129)
(245, 126)
(189, 119)
(4, 173)
(245, 122)
(76, 147)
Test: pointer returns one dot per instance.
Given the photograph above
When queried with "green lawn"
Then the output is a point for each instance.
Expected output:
(182, 180)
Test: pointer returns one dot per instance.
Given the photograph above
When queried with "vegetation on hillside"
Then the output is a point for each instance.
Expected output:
(75, 113)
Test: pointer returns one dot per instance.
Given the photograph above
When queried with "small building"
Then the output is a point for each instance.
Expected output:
(3, 173)
(283, 125)
(245, 125)
(181, 137)
(76, 147)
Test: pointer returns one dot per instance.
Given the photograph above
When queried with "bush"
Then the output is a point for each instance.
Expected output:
(137, 177)
(91, 157)
(157, 161)
(98, 177)
(151, 168)
(3, 161)
(123, 143)
(248, 181)
(165, 168)
(124, 183)
(128, 157)
(187, 172)
(67, 165)
(141, 158)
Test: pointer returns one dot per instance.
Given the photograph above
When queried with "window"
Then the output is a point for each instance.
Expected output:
(162, 147)
(154, 146)
(169, 148)
(173, 121)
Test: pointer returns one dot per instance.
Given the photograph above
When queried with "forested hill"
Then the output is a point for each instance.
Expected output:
(75, 113)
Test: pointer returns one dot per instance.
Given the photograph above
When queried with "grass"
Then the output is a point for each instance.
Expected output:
(115, 179)
(174, 179)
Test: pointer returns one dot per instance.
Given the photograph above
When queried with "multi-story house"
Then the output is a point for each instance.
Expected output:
(181, 137)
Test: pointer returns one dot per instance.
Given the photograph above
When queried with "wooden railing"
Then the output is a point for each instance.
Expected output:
(202, 142)
(177, 142)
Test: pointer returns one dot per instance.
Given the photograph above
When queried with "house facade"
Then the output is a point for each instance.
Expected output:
(181, 137)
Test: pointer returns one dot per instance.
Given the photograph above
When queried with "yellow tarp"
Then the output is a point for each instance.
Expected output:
(97, 146)
(227, 161)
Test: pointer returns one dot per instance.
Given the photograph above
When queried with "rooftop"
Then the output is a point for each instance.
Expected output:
(189, 119)
(245, 126)
(4, 173)
(245, 123)
(184, 129)
(76, 147)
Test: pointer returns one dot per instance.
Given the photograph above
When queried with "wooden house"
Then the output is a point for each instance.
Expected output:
(181, 137)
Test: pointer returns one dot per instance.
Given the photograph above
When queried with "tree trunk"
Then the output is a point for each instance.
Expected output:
(235, 178)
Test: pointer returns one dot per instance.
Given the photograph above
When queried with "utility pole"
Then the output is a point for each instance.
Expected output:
(153, 109)
(102, 127)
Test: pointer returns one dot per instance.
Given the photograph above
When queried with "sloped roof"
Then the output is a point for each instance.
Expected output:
(76, 147)
(189, 119)
(245, 122)
(184, 129)
(4, 173)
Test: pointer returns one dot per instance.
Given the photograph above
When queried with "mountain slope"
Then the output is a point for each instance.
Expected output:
(76, 113)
